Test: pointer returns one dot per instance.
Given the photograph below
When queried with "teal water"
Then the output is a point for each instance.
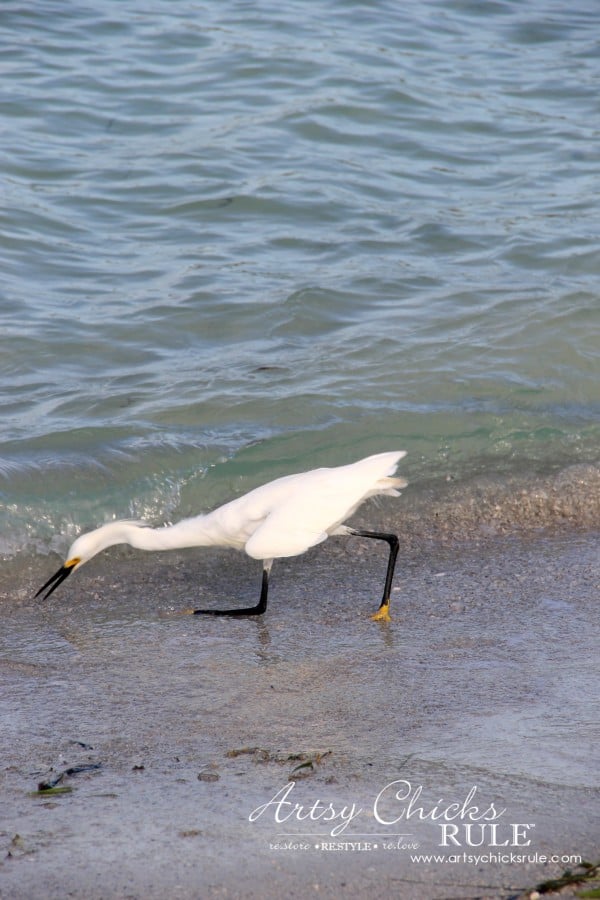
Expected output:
(239, 240)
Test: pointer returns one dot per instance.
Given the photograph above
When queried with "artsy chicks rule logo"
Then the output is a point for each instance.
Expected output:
(468, 821)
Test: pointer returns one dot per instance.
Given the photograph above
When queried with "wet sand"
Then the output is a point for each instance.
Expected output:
(471, 718)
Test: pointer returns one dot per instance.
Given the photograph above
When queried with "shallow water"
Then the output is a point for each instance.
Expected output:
(482, 681)
(238, 242)
(502, 634)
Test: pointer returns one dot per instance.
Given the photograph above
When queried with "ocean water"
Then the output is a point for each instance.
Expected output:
(242, 239)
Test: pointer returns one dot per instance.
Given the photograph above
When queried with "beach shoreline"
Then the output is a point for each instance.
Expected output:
(240, 242)
(482, 681)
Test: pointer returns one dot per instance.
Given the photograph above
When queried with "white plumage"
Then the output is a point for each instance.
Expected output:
(282, 518)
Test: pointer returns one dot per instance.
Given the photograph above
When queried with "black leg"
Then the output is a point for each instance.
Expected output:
(257, 610)
(383, 613)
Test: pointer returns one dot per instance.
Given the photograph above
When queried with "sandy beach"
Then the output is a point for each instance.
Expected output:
(246, 240)
(312, 752)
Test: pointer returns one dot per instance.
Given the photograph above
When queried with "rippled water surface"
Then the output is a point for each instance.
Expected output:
(239, 240)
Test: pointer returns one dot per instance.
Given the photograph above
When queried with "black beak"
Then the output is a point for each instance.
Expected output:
(54, 582)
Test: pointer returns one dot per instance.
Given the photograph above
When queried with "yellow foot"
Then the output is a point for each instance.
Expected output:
(382, 614)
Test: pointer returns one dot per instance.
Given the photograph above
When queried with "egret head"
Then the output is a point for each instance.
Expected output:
(82, 549)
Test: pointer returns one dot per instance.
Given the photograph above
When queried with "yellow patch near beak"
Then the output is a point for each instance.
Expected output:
(72, 562)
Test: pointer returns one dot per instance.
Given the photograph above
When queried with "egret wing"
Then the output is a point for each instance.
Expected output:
(279, 535)
(314, 504)
(299, 511)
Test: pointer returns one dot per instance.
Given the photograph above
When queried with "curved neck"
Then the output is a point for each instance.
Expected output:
(187, 533)
(196, 532)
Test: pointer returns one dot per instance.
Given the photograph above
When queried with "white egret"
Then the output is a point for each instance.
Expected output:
(282, 518)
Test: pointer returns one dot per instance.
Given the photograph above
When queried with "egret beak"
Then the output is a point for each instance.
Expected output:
(58, 578)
